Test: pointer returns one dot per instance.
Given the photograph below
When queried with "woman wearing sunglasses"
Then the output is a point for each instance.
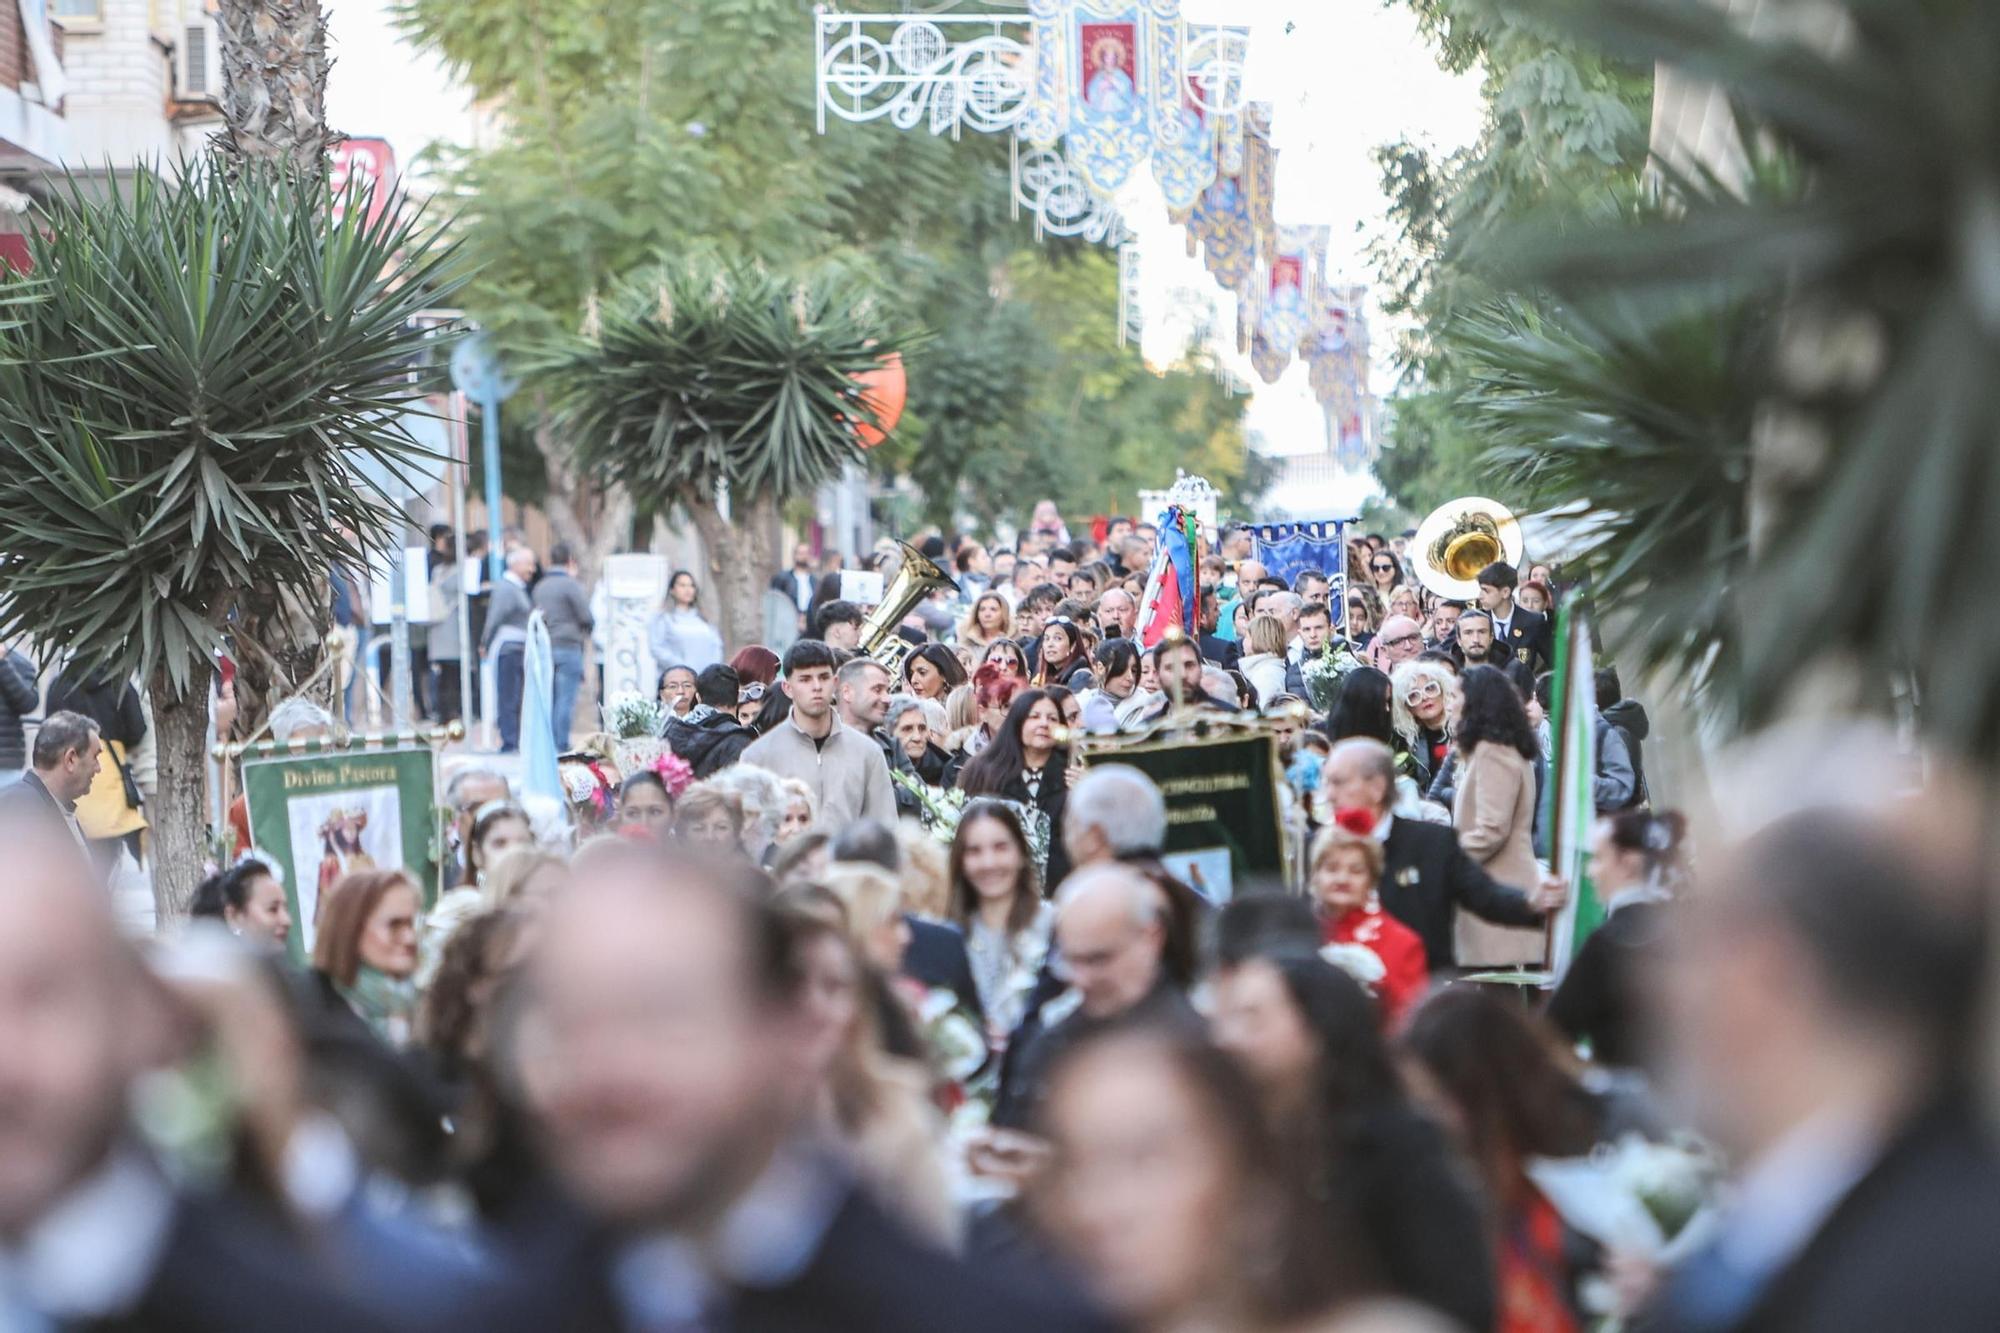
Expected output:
(1385, 575)
(1420, 700)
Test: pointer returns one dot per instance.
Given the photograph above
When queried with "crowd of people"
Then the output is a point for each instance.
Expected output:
(868, 1004)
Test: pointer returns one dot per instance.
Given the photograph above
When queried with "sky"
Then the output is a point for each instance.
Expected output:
(1343, 77)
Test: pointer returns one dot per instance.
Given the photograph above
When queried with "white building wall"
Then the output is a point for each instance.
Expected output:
(121, 85)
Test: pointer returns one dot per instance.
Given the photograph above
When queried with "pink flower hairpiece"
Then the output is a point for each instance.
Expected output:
(673, 773)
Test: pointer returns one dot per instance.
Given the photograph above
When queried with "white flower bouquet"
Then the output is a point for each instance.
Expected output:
(634, 716)
(1323, 672)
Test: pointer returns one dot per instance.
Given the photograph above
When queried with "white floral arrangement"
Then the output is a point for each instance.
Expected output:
(940, 809)
(1358, 961)
(1636, 1195)
(631, 716)
(953, 1038)
(1323, 672)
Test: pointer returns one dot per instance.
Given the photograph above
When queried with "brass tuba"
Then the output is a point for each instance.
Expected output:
(916, 578)
(1460, 538)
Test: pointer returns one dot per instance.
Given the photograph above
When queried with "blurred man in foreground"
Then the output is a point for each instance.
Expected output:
(663, 1055)
(1828, 996)
(92, 1232)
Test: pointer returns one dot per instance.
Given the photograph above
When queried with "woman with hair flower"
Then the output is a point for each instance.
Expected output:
(1346, 867)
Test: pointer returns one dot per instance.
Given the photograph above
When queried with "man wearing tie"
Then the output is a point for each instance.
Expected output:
(1519, 635)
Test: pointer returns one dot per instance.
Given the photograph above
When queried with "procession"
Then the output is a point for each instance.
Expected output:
(817, 670)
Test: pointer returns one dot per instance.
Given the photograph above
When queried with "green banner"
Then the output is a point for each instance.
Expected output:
(1225, 831)
(315, 817)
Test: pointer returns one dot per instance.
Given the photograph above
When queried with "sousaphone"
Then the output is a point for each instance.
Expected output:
(1460, 538)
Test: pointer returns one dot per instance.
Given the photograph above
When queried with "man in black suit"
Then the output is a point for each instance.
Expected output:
(1519, 634)
(64, 763)
(667, 1054)
(1827, 996)
(1426, 875)
(93, 1234)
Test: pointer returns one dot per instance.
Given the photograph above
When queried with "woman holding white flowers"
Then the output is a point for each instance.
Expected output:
(997, 901)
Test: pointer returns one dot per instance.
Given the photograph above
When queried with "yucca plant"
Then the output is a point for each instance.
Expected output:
(703, 383)
(1638, 424)
(1875, 479)
(201, 366)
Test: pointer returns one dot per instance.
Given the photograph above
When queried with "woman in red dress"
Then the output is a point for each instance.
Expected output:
(1346, 867)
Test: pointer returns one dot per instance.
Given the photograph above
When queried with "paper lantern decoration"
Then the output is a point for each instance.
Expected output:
(883, 391)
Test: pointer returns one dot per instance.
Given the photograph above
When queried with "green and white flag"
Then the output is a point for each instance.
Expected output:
(1571, 809)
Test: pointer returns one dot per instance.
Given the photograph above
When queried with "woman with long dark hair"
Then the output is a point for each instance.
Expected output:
(933, 671)
(1379, 1176)
(679, 633)
(1511, 1093)
(1173, 1200)
(1065, 654)
(1494, 810)
(1118, 671)
(1385, 573)
(1023, 763)
(996, 901)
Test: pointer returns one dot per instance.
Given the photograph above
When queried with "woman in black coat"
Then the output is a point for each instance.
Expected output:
(1023, 763)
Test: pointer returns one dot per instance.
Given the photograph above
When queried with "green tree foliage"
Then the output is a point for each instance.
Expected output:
(1871, 481)
(197, 371)
(1564, 141)
(703, 385)
(669, 128)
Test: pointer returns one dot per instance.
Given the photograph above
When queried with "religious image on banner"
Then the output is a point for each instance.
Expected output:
(338, 833)
(320, 811)
(1109, 84)
(1284, 296)
(1231, 223)
(1336, 351)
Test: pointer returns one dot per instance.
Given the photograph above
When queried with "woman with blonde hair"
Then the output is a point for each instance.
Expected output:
(988, 621)
(801, 810)
(1403, 601)
(710, 816)
(1263, 660)
(1420, 695)
(926, 873)
(875, 1105)
(524, 876)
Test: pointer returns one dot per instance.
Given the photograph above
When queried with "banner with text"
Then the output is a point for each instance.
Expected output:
(1225, 832)
(317, 815)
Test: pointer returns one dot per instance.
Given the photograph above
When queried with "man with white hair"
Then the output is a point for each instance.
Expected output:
(1112, 936)
(1117, 816)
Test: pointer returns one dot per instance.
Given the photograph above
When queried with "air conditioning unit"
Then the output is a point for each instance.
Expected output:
(198, 64)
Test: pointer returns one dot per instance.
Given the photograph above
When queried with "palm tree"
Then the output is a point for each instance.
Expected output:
(723, 391)
(189, 384)
(1874, 492)
(1641, 421)
(274, 67)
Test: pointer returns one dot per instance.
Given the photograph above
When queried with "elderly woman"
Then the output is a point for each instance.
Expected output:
(908, 724)
(761, 794)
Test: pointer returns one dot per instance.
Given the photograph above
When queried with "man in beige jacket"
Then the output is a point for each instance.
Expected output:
(844, 768)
